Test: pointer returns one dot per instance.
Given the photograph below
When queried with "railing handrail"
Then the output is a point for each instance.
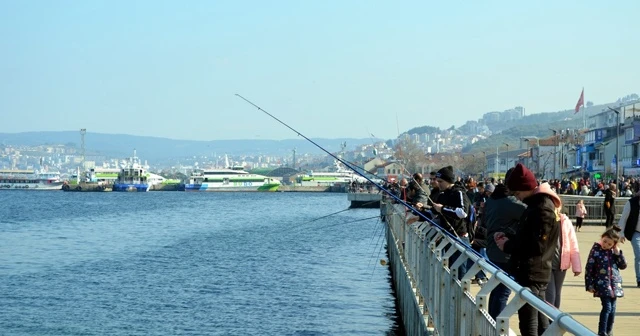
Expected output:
(436, 240)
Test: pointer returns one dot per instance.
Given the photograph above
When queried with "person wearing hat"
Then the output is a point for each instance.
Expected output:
(533, 246)
(452, 209)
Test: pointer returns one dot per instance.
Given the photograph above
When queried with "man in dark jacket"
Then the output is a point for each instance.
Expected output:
(533, 245)
(452, 211)
(608, 205)
(501, 214)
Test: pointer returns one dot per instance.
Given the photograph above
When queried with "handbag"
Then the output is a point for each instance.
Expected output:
(616, 281)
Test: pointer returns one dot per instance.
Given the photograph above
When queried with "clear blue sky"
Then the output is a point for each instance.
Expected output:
(328, 68)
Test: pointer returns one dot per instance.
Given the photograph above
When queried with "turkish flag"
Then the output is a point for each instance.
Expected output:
(580, 102)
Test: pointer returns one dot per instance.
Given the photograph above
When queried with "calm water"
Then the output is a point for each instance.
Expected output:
(169, 263)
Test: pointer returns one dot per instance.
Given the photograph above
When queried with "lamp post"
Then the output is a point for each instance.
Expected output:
(484, 169)
(507, 159)
(617, 142)
(555, 150)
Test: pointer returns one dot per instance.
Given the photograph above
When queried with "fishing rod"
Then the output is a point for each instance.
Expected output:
(413, 179)
(420, 214)
(337, 212)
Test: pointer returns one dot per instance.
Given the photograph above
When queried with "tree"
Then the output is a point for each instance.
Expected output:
(410, 155)
(472, 165)
(589, 103)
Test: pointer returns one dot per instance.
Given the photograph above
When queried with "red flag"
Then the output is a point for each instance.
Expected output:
(580, 102)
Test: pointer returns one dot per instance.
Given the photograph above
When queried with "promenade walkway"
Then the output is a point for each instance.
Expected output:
(585, 308)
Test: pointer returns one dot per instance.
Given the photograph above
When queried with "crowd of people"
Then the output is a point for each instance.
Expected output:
(521, 226)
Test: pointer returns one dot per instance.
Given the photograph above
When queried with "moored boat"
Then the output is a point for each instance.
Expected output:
(132, 176)
(29, 180)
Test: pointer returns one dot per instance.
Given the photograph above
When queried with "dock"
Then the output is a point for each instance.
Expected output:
(364, 199)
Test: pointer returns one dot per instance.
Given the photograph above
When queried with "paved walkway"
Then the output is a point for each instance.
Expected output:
(585, 308)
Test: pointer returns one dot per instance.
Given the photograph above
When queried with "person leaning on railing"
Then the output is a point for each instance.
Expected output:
(501, 214)
(533, 245)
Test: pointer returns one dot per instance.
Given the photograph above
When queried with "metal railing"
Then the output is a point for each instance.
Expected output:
(594, 206)
(431, 298)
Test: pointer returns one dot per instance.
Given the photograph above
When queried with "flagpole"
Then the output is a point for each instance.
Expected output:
(584, 112)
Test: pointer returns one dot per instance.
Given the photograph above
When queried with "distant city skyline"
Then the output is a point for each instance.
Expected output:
(330, 69)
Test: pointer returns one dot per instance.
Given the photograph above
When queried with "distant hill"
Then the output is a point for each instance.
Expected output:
(154, 148)
(537, 125)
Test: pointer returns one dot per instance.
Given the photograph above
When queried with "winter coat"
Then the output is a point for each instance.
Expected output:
(455, 212)
(581, 210)
(501, 214)
(570, 254)
(599, 274)
(534, 244)
(417, 193)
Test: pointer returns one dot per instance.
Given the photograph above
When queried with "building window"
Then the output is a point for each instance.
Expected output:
(628, 134)
(627, 151)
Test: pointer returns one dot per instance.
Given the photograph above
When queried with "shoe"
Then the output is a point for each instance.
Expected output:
(638, 284)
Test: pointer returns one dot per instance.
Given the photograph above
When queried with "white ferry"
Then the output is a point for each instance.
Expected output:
(232, 178)
(29, 180)
(339, 175)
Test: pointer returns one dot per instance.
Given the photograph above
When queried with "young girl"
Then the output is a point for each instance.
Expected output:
(581, 212)
(602, 276)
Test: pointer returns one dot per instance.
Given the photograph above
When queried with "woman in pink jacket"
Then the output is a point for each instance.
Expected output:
(566, 255)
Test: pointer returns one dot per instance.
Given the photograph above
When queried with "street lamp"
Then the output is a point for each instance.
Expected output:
(507, 159)
(484, 170)
(555, 149)
(617, 142)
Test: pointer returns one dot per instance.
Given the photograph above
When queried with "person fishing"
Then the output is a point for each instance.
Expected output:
(452, 209)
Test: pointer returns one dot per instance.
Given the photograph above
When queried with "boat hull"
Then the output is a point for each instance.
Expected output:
(213, 187)
(131, 187)
(31, 186)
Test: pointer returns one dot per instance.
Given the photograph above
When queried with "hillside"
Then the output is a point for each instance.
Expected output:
(154, 148)
(535, 125)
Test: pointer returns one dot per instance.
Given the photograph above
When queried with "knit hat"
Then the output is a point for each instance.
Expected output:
(446, 174)
(489, 188)
(521, 179)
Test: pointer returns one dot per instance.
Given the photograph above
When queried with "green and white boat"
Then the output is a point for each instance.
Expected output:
(230, 179)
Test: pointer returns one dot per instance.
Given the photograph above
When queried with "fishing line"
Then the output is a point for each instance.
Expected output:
(392, 195)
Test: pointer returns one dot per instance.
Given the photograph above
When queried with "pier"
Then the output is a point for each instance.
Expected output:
(432, 301)
(364, 199)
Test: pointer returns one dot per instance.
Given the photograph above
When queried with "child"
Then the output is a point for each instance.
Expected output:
(602, 276)
(581, 212)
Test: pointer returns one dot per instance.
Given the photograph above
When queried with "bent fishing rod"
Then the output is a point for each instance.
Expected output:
(420, 214)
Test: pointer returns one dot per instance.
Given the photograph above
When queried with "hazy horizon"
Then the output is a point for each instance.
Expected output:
(330, 69)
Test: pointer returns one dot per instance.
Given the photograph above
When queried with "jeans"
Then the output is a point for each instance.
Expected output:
(532, 322)
(609, 215)
(463, 268)
(607, 315)
(480, 274)
(499, 295)
(554, 290)
(635, 243)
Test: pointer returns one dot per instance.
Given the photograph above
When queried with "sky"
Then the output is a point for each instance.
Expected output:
(329, 69)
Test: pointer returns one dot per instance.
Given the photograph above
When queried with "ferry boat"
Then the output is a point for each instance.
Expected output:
(29, 180)
(338, 176)
(232, 178)
(132, 176)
